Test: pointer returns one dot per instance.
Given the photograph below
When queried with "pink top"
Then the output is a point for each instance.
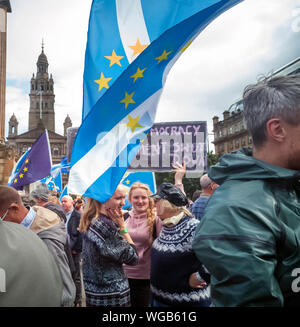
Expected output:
(139, 232)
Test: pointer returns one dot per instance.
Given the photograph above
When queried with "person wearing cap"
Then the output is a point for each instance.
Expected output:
(107, 245)
(177, 277)
(48, 227)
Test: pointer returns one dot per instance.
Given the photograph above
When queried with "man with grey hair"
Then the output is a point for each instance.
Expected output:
(207, 189)
(250, 234)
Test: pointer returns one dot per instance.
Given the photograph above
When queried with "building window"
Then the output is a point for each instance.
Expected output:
(249, 140)
(237, 143)
(230, 130)
(231, 146)
(243, 141)
(220, 133)
(56, 151)
(236, 129)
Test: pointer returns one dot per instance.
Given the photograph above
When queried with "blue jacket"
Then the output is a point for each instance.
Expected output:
(103, 255)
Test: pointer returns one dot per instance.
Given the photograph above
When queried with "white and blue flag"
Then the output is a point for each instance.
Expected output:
(131, 47)
(64, 192)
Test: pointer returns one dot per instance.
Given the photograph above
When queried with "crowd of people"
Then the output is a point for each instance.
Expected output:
(237, 244)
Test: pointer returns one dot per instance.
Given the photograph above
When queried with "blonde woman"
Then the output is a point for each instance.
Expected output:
(177, 277)
(144, 227)
(107, 245)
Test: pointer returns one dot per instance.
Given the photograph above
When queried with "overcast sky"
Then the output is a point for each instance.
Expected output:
(255, 37)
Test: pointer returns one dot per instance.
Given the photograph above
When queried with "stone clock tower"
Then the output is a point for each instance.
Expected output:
(42, 96)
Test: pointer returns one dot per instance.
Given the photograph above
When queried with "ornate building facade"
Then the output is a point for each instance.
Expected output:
(230, 134)
(41, 115)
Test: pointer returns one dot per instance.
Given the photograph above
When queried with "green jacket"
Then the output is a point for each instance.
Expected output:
(249, 236)
(29, 276)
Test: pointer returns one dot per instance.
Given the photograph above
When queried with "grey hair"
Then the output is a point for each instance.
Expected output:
(205, 181)
(278, 97)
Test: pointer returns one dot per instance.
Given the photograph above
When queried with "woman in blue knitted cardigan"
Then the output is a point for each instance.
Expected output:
(177, 277)
(107, 245)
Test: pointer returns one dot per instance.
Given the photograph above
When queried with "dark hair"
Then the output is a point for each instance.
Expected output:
(196, 195)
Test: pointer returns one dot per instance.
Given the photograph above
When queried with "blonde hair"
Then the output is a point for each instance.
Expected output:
(54, 199)
(91, 211)
(150, 210)
(174, 209)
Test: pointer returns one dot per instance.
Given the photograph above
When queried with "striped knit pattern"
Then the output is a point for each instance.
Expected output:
(172, 263)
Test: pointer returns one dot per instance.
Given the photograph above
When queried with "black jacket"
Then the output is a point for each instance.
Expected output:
(74, 234)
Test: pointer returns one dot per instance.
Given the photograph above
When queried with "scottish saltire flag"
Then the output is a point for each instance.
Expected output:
(64, 192)
(35, 165)
(53, 182)
(147, 178)
(65, 165)
(115, 125)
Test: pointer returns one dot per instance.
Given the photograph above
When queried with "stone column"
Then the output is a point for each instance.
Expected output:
(7, 154)
(2, 72)
(4, 8)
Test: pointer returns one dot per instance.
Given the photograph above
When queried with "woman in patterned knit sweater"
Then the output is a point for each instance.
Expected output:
(177, 277)
(107, 245)
(143, 226)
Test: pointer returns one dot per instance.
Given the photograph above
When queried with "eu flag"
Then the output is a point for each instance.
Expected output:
(36, 163)
(130, 178)
(131, 47)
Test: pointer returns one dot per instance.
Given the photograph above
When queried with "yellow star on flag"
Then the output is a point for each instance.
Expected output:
(163, 56)
(15, 181)
(138, 74)
(186, 46)
(25, 168)
(128, 99)
(26, 161)
(102, 82)
(21, 175)
(127, 182)
(133, 123)
(114, 59)
(138, 47)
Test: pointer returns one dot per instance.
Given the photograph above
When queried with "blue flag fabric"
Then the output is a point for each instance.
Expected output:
(64, 192)
(130, 178)
(111, 132)
(36, 164)
(16, 169)
(54, 180)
